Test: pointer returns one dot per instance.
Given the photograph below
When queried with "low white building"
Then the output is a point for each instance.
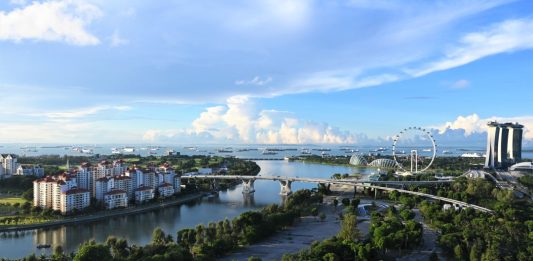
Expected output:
(165, 190)
(30, 170)
(75, 198)
(144, 193)
(116, 198)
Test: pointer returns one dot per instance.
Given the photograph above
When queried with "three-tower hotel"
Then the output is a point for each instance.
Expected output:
(504, 144)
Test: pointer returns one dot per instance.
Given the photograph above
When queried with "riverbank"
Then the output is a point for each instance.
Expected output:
(106, 214)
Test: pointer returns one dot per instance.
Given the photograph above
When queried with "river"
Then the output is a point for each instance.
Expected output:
(137, 229)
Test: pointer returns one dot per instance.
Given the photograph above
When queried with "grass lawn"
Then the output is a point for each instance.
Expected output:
(12, 200)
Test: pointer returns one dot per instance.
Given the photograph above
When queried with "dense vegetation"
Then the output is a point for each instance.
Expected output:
(202, 242)
(470, 235)
(390, 232)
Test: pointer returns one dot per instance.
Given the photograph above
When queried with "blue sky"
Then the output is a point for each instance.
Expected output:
(265, 71)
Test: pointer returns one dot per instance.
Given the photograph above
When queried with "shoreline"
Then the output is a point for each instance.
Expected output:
(106, 214)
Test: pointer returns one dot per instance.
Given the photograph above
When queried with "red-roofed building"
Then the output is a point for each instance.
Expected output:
(75, 198)
(165, 190)
(143, 194)
(116, 198)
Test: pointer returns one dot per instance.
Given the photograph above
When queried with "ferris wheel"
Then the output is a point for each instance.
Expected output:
(419, 162)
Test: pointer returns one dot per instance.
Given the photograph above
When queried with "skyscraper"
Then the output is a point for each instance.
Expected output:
(504, 144)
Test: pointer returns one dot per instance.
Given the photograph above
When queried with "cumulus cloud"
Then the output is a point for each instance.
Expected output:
(473, 124)
(255, 81)
(54, 21)
(240, 121)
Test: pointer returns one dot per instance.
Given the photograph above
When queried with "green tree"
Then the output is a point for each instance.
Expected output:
(158, 236)
(90, 251)
(349, 229)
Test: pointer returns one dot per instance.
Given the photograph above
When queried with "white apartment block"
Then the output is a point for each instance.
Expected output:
(137, 177)
(102, 186)
(51, 192)
(151, 179)
(8, 164)
(143, 194)
(165, 190)
(124, 183)
(76, 198)
(116, 198)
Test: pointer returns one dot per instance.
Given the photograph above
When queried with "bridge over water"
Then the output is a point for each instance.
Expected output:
(286, 182)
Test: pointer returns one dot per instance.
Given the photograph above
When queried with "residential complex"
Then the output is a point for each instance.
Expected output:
(504, 144)
(111, 184)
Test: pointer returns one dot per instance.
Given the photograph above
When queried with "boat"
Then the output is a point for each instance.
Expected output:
(322, 149)
(43, 246)
(128, 149)
(225, 151)
(381, 149)
(87, 151)
(115, 151)
(471, 155)
(447, 152)
(306, 152)
(426, 150)
(269, 152)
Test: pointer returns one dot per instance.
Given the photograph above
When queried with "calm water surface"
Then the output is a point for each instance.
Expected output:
(137, 229)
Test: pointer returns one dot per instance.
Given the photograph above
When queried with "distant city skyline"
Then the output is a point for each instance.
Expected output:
(266, 71)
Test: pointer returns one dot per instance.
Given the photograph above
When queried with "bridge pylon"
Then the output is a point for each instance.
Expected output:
(248, 186)
(285, 187)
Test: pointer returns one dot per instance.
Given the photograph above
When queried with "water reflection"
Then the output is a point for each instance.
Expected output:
(137, 229)
(248, 199)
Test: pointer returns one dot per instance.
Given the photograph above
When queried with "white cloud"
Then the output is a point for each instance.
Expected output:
(508, 36)
(460, 84)
(266, 15)
(71, 132)
(240, 121)
(472, 124)
(81, 112)
(117, 40)
(55, 21)
(17, 2)
(255, 81)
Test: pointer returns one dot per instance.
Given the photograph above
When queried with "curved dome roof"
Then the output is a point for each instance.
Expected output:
(358, 160)
(522, 166)
(384, 163)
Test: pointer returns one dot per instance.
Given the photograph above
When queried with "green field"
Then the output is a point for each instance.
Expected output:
(12, 200)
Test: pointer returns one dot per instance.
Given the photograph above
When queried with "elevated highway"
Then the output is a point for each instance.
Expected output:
(285, 183)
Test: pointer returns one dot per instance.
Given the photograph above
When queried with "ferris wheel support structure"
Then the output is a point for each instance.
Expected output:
(414, 153)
